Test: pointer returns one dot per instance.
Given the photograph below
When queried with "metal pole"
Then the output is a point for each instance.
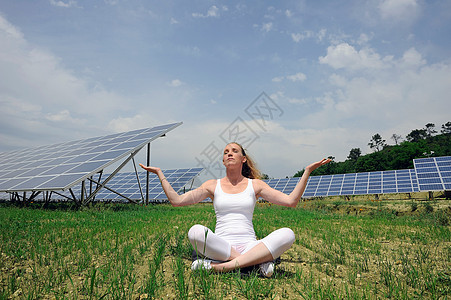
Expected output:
(147, 175)
(139, 182)
(82, 192)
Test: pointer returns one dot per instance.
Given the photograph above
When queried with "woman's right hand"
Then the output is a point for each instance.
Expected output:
(154, 170)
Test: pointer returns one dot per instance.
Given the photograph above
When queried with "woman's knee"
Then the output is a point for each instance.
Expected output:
(196, 231)
(289, 235)
(279, 241)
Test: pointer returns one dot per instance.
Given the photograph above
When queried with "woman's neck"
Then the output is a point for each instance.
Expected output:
(234, 176)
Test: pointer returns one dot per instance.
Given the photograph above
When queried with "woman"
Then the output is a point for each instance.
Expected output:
(233, 244)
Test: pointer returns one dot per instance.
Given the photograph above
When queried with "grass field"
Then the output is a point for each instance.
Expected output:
(343, 250)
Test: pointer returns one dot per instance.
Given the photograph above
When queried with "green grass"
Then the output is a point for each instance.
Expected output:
(132, 252)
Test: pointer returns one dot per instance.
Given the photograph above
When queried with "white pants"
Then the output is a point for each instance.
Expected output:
(218, 248)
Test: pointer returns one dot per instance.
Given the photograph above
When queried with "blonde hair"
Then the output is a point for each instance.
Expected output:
(249, 169)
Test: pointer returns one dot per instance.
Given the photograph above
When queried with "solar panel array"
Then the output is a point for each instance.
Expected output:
(434, 173)
(381, 182)
(127, 184)
(60, 166)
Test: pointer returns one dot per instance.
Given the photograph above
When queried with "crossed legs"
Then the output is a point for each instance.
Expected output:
(267, 249)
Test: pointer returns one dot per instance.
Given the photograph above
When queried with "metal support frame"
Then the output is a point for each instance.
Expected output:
(16, 197)
(111, 190)
(101, 185)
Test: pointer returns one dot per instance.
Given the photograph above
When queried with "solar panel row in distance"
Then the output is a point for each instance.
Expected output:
(126, 184)
(60, 166)
(434, 173)
(399, 181)
(380, 182)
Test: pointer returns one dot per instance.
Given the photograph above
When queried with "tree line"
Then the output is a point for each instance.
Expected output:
(419, 143)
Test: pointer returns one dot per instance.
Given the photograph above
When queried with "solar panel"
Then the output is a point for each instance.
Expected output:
(433, 173)
(381, 182)
(61, 166)
(127, 185)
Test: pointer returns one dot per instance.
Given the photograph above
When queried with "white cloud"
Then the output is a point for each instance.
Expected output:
(322, 34)
(398, 98)
(412, 58)
(213, 12)
(8, 31)
(420, 94)
(175, 83)
(64, 116)
(363, 39)
(61, 3)
(337, 80)
(295, 77)
(280, 98)
(399, 10)
(122, 124)
(297, 37)
(297, 101)
(267, 27)
(307, 34)
(345, 56)
(111, 2)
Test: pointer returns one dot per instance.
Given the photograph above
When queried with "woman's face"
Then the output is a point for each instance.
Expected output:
(233, 155)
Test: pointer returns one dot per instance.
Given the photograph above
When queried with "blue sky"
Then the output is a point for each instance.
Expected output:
(334, 73)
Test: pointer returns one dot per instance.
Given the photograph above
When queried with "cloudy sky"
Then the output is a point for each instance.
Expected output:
(294, 81)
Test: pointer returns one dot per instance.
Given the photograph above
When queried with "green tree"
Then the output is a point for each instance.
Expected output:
(430, 129)
(397, 138)
(446, 128)
(375, 161)
(377, 143)
(416, 135)
(354, 154)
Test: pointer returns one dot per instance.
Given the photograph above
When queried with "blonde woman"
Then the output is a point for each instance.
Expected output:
(233, 244)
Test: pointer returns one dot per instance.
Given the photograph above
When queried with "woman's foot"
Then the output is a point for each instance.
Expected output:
(267, 268)
(201, 263)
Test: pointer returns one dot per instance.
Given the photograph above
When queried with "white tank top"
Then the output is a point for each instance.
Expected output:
(234, 214)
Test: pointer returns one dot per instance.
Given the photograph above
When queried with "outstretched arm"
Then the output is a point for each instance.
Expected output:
(291, 200)
(191, 197)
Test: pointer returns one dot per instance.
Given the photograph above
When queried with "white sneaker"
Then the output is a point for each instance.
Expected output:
(267, 268)
(201, 264)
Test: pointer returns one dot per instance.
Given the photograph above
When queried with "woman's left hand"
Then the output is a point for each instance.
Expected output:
(317, 164)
